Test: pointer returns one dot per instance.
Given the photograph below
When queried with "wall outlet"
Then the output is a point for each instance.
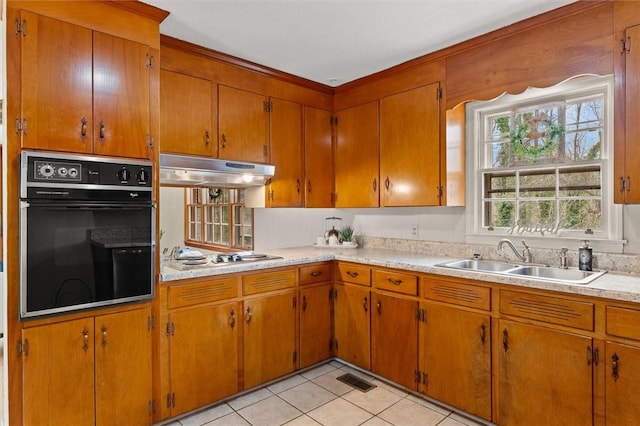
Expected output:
(414, 231)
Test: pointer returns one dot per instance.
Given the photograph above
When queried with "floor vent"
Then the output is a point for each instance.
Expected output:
(356, 382)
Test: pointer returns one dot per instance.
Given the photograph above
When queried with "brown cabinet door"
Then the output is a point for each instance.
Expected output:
(410, 147)
(269, 337)
(352, 308)
(544, 375)
(242, 124)
(315, 324)
(455, 357)
(394, 339)
(204, 355)
(185, 115)
(286, 185)
(121, 97)
(58, 374)
(56, 85)
(318, 158)
(631, 148)
(123, 368)
(622, 384)
(356, 157)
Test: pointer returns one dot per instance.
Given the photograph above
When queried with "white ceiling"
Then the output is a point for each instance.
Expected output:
(336, 41)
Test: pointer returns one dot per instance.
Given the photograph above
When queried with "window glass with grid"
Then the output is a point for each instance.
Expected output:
(217, 218)
(542, 162)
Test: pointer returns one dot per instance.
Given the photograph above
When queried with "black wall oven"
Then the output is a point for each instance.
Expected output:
(87, 232)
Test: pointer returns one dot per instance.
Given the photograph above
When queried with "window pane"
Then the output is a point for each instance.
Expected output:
(581, 214)
(537, 135)
(500, 186)
(538, 184)
(582, 182)
(500, 214)
(537, 213)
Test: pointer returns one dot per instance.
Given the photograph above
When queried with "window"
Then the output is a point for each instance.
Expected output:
(217, 218)
(540, 161)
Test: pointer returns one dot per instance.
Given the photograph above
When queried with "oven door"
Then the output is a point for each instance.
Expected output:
(80, 255)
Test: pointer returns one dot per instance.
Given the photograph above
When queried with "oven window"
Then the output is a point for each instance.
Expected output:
(83, 255)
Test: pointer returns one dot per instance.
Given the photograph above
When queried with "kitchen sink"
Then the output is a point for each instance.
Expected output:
(574, 276)
(479, 265)
(538, 272)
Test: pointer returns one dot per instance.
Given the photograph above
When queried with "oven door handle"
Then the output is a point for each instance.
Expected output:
(85, 205)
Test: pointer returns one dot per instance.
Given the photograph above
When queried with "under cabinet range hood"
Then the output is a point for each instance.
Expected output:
(185, 170)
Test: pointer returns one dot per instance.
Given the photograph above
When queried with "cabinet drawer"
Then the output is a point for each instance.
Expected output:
(457, 293)
(314, 274)
(548, 309)
(260, 283)
(353, 273)
(210, 291)
(395, 281)
(623, 322)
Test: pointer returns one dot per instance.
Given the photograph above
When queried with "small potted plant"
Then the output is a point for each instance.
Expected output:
(347, 235)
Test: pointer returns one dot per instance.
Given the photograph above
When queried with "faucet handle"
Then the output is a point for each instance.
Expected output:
(524, 244)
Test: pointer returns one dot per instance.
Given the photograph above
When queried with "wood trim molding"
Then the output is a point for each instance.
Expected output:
(484, 39)
(139, 8)
(185, 46)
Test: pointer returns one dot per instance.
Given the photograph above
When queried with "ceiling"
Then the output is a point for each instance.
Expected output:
(336, 41)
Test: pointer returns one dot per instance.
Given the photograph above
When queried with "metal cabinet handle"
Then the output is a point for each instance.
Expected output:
(352, 274)
(483, 333)
(207, 137)
(85, 338)
(614, 367)
(298, 186)
(102, 131)
(365, 304)
(379, 307)
(387, 183)
(316, 273)
(248, 315)
(304, 303)
(224, 140)
(83, 128)
(375, 185)
(104, 335)
(309, 185)
(394, 281)
(232, 315)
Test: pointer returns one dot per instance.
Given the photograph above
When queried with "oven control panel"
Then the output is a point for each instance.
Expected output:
(59, 175)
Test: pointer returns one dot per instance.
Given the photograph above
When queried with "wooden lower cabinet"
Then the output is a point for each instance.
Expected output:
(622, 384)
(394, 339)
(315, 324)
(352, 324)
(94, 370)
(545, 376)
(269, 337)
(455, 358)
(204, 355)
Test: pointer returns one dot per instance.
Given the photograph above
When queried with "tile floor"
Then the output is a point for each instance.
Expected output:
(316, 397)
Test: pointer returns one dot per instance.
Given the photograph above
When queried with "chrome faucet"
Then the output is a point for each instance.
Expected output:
(526, 253)
(563, 257)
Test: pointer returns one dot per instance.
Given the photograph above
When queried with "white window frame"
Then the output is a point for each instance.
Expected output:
(610, 237)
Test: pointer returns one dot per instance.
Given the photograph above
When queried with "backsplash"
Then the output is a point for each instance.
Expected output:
(619, 263)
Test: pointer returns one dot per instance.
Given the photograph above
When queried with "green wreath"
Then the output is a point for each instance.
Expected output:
(525, 131)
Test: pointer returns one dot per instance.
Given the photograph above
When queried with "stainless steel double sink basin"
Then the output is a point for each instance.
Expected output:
(537, 272)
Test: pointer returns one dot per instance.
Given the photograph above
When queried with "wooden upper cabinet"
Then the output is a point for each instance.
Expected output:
(96, 97)
(286, 187)
(627, 148)
(410, 147)
(57, 110)
(318, 158)
(242, 125)
(356, 157)
(186, 116)
(120, 96)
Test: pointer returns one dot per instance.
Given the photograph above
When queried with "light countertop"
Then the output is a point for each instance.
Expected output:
(609, 286)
